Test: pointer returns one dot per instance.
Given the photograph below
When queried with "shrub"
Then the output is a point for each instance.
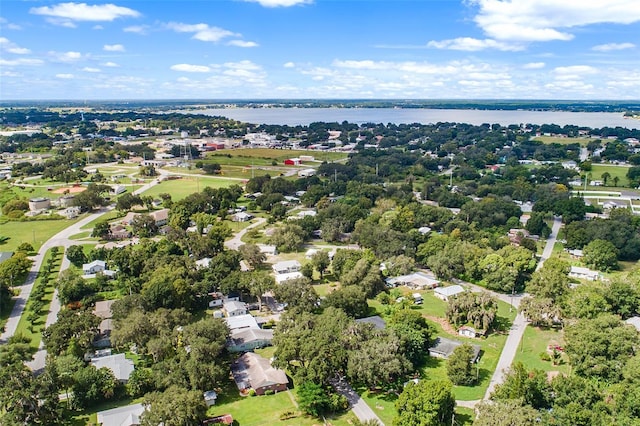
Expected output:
(545, 356)
(269, 392)
(252, 392)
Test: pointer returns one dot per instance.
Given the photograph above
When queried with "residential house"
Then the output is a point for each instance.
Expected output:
(443, 348)
(269, 250)
(634, 321)
(307, 173)
(249, 339)
(240, 322)
(103, 311)
(203, 263)
(375, 320)
(310, 253)
(417, 281)
(218, 299)
(424, 230)
(122, 416)
(445, 293)
(242, 217)
(251, 371)
(161, 217)
(94, 267)
(118, 364)
(287, 266)
(280, 278)
(234, 308)
(71, 212)
(583, 273)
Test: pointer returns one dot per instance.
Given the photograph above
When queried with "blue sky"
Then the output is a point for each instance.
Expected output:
(256, 49)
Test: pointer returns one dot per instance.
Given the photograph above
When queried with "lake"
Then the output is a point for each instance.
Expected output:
(305, 116)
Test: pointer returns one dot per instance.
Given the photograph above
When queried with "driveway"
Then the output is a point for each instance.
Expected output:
(360, 408)
(235, 242)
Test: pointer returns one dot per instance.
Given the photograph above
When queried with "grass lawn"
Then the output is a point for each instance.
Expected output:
(534, 342)
(180, 188)
(89, 416)
(265, 156)
(35, 232)
(562, 141)
(266, 409)
(620, 171)
(109, 216)
(34, 331)
(433, 308)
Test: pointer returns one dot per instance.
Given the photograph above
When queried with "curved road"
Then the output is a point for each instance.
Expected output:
(61, 239)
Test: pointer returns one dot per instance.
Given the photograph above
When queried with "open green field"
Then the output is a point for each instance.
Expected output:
(264, 156)
(180, 188)
(534, 342)
(563, 141)
(35, 232)
(620, 171)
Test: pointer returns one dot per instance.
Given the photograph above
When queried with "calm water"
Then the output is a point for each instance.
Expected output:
(305, 116)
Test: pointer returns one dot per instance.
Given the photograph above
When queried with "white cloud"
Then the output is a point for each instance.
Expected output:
(546, 20)
(473, 44)
(534, 65)
(8, 46)
(289, 65)
(4, 24)
(190, 68)
(113, 48)
(97, 27)
(110, 64)
(137, 29)
(10, 74)
(575, 70)
(242, 43)
(202, 32)
(90, 69)
(21, 61)
(64, 76)
(61, 22)
(613, 46)
(84, 12)
(280, 3)
(65, 56)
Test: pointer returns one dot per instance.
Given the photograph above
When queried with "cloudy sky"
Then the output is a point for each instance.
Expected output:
(255, 49)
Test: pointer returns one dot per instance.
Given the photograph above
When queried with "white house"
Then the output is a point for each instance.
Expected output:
(634, 321)
(94, 267)
(242, 217)
(269, 250)
(118, 364)
(417, 280)
(310, 253)
(307, 173)
(234, 308)
(118, 189)
(582, 273)
(121, 416)
(468, 331)
(445, 293)
(241, 321)
(287, 266)
(280, 278)
(203, 263)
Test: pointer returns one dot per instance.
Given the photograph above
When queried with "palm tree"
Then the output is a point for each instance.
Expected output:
(616, 179)
(605, 177)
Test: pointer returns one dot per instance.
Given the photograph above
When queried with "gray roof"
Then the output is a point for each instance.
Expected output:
(376, 320)
(634, 321)
(252, 370)
(5, 255)
(121, 366)
(445, 347)
(121, 416)
(452, 290)
(247, 335)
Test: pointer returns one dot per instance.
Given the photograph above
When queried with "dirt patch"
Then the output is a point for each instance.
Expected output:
(69, 190)
(444, 323)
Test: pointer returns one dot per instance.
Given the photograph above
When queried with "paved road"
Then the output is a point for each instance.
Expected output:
(520, 323)
(236, 241)
(360, 408)
(61, 239)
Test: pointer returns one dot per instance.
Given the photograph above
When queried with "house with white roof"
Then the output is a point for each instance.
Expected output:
(280, 278)
(583, 273)
(121, 416)
(634, 321)
(118, 364)
(94, 267)
(286, 267)
(234, 308)
(417, 281)
(241, 321)
(242, 217)
(445, 293)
